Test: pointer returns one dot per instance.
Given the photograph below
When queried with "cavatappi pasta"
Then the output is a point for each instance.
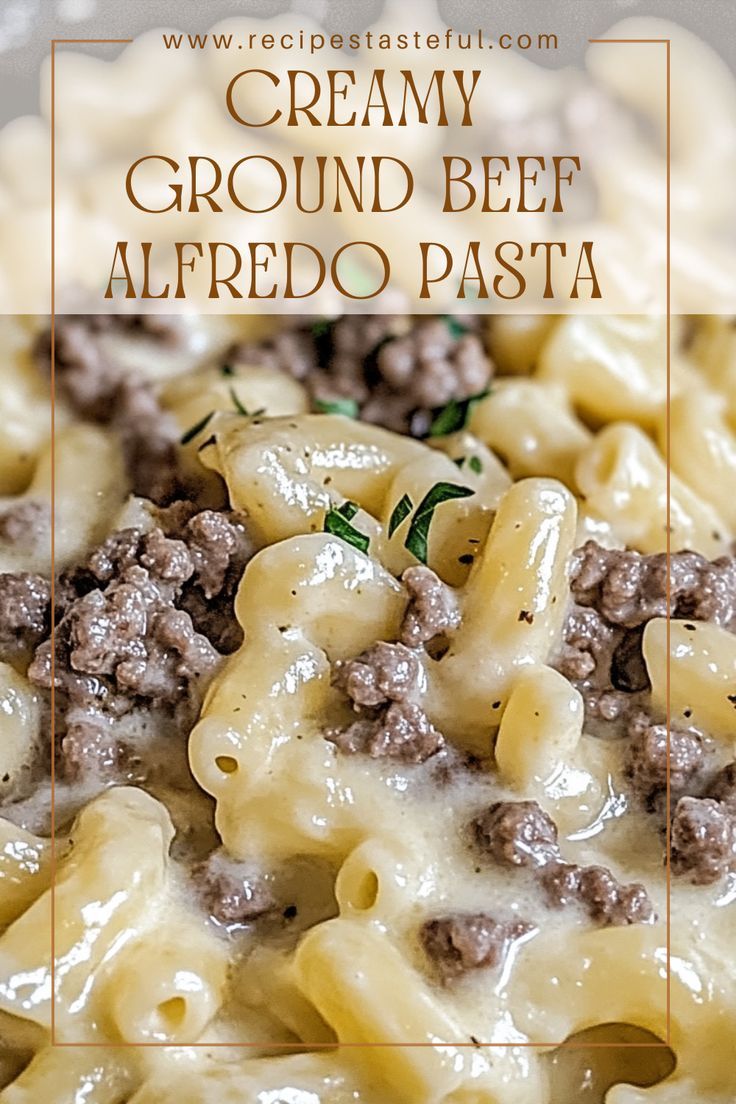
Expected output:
(361, 688)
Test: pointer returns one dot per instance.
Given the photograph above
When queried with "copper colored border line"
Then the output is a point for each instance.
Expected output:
(336, 1046)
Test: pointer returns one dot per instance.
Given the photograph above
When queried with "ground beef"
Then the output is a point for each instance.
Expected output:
(517, 833)
(292, 350)
(25, 614)
(610, 903)
(220, 547)
(150, 438)
(645, 761)
(401, 731)
(103, 391)
(561, 883)
(397, 368)
(629, 588)
(463, 942)
(90, 746)
(25, 522)
(432, 364)
(614, 593)
(231, 892)
(384, 673)
(521, 834)
(703, 840)
(723, 786)
(432, 610)
(603, 897)
(383, 683)
(124, 638)
(589, 644)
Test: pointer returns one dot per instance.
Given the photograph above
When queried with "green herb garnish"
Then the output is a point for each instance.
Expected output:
(455, 327)
(337, 522)
(454, 416)
(475, 465)
(196, 429)
(418, 535)
(348, 509)
(321, 327)
(348, 407)
(400, 512)
(238, 404)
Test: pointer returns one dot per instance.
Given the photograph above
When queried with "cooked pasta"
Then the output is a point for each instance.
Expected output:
(361, 735)
(368, 681)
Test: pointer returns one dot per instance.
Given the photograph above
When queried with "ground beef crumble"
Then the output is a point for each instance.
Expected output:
(703, 839)
(25, 614)
(125, 637)
(396, 368)
(384, 673)
(603, 897)
(382, 683)
(432, 610)
(516, 833)
(402, 731)
(463, 942)
(232, 893)
(24, 522)
(522, 834)
(645, 760)
(614, 593)
(104, 391)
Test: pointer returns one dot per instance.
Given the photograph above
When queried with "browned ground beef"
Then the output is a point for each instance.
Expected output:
(517, 833)
(383, 683)
(396, 368)
(102, 390)
(384, 673)
(703, 839)
(401, 731)
(432, 610)
(629, 588)
(25, 614)
(124, 636)
(463, 942)
(614, 594)
(23, 522)
(231, 892)
(603, 897)
(522, 834)
(645, 762)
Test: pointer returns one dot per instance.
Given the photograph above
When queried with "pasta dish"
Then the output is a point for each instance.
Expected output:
(371, 650)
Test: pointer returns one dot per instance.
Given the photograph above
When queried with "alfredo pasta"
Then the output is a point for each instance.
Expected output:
(360, 678)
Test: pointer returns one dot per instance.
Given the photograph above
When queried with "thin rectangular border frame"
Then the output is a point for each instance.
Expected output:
(564, 1044)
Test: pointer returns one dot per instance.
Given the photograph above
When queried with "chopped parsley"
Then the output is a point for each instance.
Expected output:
(321, 327)
(196, 429)
(237, 403)
(475, 465)
(455, 327)
(348, 407)
(337, 522)
(400, 512)
(454, 416)
(417, 538)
